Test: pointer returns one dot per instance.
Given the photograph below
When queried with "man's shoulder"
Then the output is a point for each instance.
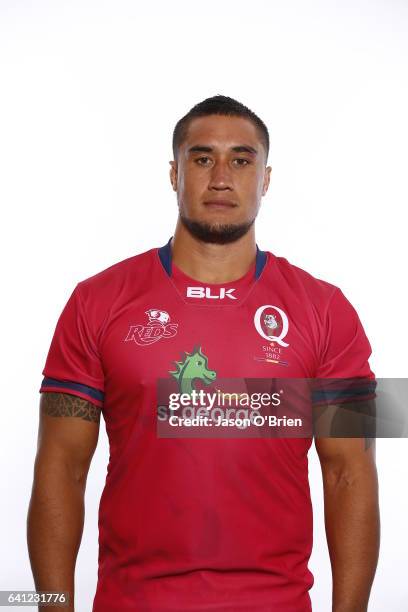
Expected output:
(300, 280)
(129, 272)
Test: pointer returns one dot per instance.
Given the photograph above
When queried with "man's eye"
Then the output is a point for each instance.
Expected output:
(240, 161)
(203, 161)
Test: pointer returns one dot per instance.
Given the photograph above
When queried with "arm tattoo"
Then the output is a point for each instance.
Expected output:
(64, 404)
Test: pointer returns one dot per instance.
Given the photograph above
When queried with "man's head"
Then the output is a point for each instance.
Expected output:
(220, 152)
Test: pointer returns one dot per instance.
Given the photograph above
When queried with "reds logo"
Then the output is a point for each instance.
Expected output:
(157, 327)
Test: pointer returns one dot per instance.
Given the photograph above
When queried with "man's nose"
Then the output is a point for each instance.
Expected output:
(220, 177)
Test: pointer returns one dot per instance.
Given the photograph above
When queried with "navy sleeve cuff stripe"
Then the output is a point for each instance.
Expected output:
(68, 384)
(341, 394)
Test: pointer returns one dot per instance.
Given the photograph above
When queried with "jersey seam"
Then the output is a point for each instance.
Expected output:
(325, 321)
(94, 343)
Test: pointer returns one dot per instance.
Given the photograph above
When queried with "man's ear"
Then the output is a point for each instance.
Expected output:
(267, 179)
(173, 174)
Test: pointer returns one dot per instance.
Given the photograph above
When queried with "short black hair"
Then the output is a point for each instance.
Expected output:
(218, 105)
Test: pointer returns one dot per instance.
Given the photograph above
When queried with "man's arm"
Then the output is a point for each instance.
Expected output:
(67, 438)
(352, 518)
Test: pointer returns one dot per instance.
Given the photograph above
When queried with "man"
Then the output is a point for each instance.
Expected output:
(201, 522)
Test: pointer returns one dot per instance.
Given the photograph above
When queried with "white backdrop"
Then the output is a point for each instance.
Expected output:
(90, 93)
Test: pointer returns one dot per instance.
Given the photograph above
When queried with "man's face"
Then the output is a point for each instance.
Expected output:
(220, 177)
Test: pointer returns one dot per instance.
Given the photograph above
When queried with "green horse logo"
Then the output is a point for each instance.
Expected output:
(193, 366)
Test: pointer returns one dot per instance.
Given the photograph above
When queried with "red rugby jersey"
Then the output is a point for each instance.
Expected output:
(199, 523)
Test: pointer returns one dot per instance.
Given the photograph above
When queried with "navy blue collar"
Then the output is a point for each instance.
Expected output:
(165, 258)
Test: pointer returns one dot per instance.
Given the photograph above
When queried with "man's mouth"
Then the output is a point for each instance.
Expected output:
(220, 203)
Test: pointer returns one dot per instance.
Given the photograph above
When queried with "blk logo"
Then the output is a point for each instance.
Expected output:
(205, 292)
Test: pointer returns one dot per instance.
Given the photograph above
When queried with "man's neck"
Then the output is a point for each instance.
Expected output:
(212, 263)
